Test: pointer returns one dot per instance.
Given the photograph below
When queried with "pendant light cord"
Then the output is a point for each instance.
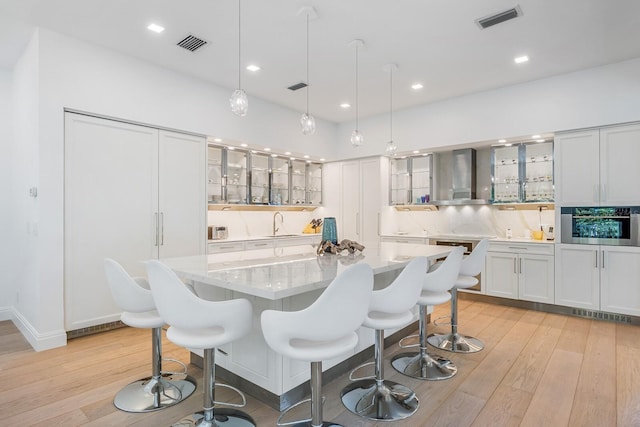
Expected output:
(239, 44)
(356, 87)
(308, 83)
(391, 103)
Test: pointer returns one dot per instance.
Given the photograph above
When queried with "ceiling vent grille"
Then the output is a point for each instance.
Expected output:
(192, 43)
(499, 18)
(297, 86)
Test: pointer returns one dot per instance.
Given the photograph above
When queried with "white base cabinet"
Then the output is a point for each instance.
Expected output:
(520, 271)
(605, 278)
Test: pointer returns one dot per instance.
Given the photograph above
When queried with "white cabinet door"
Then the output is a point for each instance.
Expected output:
(619, 171)
(576, 168)
(535, 279)
(370, 202)
(501, 274)
(620, 280)
(349, 219)
(182, 194)
(577, 276)
(110, 173)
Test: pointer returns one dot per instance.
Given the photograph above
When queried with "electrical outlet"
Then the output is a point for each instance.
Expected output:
(33, 191)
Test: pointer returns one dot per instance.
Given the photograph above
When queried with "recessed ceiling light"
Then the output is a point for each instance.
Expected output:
(416, 151)
(539, 140)
(535, 136)
(231, 148)
(521, 59)
(417, 86)
(306, 156)
(502, 141)
(274, 155)
(345, 105)
(508, 145)
(292, 158)
(308, 161)
(322, 160)
(155, 28)
(287, 153)
(217, 139)
(253, 68)
(267, 149)
(253, 151)
(244, 145)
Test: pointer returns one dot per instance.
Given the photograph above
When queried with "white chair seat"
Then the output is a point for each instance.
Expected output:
(200, 338)
(381, 320)
(310, 351)
(465, 282)
(145, 320)
(433, 298)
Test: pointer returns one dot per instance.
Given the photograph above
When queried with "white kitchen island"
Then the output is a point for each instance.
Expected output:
(287, 278)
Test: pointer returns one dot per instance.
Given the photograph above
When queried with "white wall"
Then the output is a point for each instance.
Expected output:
(7, 283)
(598, 96)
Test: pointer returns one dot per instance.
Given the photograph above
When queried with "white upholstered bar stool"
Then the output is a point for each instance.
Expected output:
(435, 290)
(161, 390)
(324, 330)
(453, 341)
(374, 397)
(195, 323)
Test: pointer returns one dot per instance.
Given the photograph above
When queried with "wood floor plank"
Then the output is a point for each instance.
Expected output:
(574, 334)
(628, 385)
(552, 405)
(505, 408)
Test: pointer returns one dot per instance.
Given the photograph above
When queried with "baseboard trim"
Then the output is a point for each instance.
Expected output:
(38, 341)
(6, 313)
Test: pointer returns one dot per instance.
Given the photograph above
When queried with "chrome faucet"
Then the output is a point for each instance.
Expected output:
(275, 229)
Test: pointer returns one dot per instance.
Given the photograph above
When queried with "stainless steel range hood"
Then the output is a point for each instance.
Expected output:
(455, 178)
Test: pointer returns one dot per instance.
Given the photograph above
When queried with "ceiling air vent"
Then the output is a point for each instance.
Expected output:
(498, 18)
(191, 43)
(297, 86)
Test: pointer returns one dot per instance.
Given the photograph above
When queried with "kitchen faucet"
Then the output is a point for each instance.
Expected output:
(275, 229)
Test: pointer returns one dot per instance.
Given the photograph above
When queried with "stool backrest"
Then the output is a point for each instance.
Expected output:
(128, 292)
(180, 307)
(444, 277)
(402, 294)
(472, 264)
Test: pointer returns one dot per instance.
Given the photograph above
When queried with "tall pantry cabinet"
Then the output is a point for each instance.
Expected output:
(132, 193)
(362, 191)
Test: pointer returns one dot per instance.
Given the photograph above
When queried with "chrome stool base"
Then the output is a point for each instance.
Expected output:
(151, 394)
(424, 366)
(386, 400)
(455, 343)
(222, 418)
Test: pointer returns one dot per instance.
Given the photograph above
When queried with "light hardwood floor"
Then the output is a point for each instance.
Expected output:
(537, 369)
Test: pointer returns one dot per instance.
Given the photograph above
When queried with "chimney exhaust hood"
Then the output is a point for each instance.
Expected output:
(455, 178)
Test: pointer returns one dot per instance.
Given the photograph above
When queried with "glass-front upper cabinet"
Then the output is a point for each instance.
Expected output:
(260, 178)
(214, 175)
(400, 187)
(314, 184)
(411, 180)
(298, 182)
(279, 181)
(522, 173)
(235, 176)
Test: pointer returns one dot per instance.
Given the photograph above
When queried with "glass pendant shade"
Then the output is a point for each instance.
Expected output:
(308, 124)
(356, 138)
(391, 148)
(239, 103)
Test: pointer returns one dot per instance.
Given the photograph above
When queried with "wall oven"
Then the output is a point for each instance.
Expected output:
(615, 226)
(468, 245)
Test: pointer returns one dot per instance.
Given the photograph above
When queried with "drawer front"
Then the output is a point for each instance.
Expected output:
(258, 244)
(217, 248)
(522, 248)
(400, 239)
(294, 241)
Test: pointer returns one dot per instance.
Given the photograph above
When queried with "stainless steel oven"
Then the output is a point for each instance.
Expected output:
(600, 225)
(468, 245)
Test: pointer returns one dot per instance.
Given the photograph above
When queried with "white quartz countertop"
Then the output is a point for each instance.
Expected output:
(283, 272)
(463, 237)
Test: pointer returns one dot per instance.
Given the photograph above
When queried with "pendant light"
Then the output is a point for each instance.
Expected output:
(238, 101)
(307, 122)
(356, 137)
(391, 148)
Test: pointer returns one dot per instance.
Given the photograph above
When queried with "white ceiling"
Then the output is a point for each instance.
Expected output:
(435, 42)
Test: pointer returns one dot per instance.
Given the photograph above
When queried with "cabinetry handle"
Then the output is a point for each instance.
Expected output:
(358, 224)
(603, 260)
(596, 256)
(161, 228)
(520, 265)
(155, 240)
(518, 248)
(260, 244)
(515, 267)
(378, 224)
